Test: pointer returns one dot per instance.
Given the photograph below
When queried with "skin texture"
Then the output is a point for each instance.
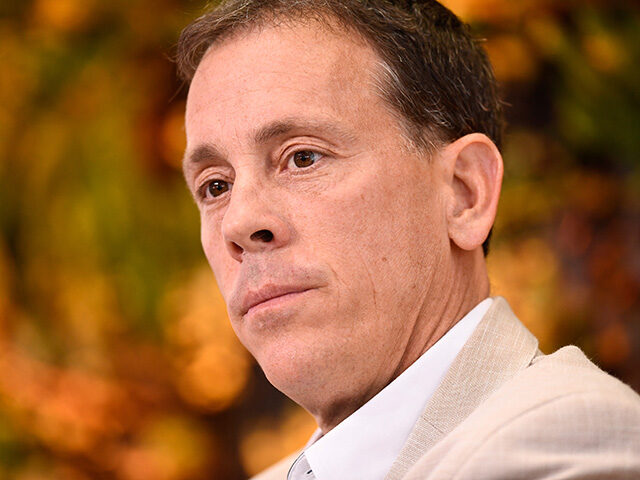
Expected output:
(379, 243)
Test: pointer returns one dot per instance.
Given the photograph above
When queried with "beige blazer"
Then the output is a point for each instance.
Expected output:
(505, 411)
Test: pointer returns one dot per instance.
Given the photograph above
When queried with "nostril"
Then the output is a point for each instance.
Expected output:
(262, 236)
(237, 249)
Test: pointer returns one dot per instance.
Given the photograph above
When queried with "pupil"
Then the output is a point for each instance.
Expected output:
(304, 159)
(218, 187)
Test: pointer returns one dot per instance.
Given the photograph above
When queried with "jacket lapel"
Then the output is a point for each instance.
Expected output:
(498, 348)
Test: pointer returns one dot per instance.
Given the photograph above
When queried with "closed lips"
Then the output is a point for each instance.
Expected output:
(255, 298)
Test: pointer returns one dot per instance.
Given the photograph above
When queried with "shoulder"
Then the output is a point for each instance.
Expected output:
(564, 383)
(565, 372)
(562, 401)
(576, 420)
(561, 417)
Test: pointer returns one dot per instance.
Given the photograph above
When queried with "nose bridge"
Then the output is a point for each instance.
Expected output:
(251, 221)
(245, 203)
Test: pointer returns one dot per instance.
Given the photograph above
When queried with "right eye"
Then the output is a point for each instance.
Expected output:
(216, 188)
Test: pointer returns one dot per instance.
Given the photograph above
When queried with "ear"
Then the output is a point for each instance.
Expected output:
(474, 172)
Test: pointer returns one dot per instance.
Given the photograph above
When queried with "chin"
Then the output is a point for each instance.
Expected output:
(298, 371)
(312, 378)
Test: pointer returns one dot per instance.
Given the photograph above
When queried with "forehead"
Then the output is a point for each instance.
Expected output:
(281, 71)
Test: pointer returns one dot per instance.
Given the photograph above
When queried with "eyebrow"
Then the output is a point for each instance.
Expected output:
(283, 127)
(265, 134)
(205, 151)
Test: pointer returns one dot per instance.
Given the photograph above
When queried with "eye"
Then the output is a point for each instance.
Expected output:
(304, 158)
(216, 187)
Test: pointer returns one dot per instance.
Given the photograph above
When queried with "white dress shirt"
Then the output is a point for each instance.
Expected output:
(365, 444)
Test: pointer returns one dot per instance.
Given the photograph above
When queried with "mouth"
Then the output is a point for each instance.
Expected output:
(270, 296)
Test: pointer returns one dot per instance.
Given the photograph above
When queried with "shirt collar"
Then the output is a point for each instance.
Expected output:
(366, 443)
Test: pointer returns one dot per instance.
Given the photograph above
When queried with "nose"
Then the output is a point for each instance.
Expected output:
(252, 222)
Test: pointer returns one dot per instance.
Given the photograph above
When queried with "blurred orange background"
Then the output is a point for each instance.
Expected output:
(116, 357)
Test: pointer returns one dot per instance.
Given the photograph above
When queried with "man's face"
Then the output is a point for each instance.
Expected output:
(324, 230)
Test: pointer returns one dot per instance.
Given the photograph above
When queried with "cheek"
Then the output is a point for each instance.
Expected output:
(216, 254)
(381, 233)
(379, 216)
(209, 238)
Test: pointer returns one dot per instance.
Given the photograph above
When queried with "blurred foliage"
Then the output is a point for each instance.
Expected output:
(116, 357)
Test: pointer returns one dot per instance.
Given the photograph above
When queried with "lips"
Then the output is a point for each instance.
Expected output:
(254, 298)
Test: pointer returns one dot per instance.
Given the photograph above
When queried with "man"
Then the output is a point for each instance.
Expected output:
(344, 158)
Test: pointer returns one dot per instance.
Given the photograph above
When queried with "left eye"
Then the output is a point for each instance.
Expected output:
(304, 158)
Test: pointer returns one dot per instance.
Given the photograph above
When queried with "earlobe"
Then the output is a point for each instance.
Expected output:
(475, 177)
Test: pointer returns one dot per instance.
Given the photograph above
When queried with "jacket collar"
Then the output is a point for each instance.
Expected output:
(499, 347)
